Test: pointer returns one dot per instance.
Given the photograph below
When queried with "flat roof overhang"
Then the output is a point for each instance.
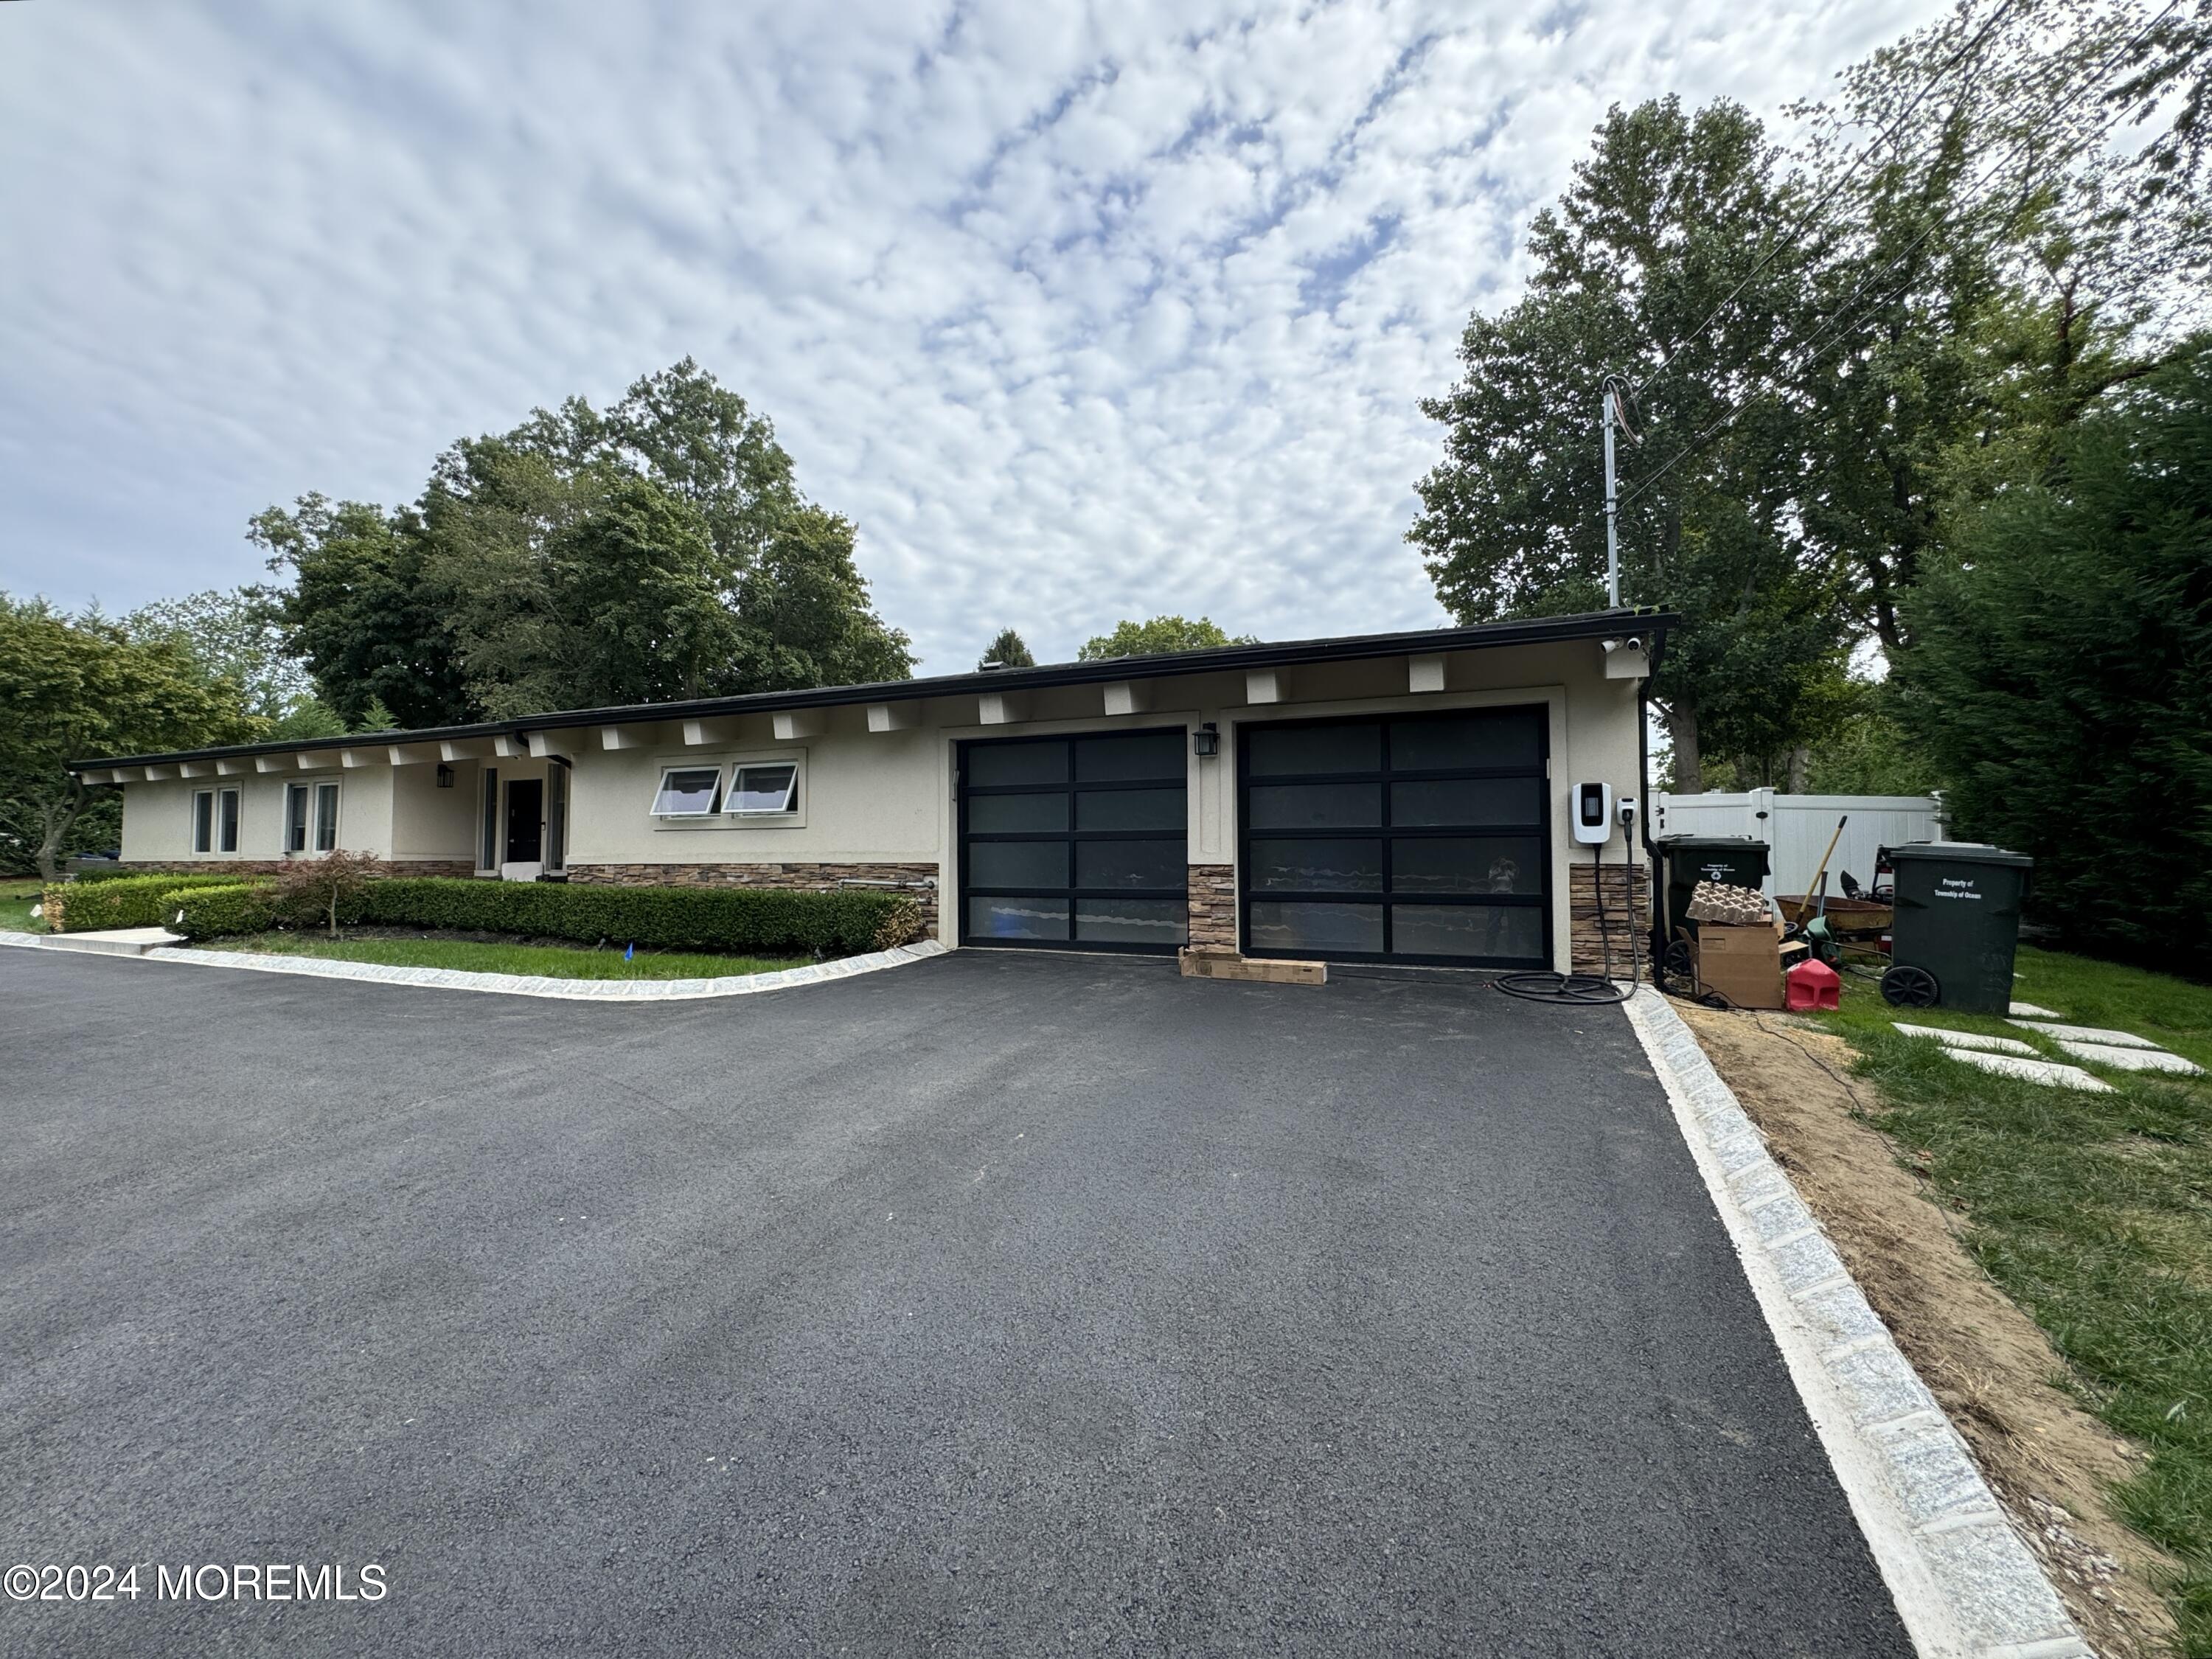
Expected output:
(1427, 641)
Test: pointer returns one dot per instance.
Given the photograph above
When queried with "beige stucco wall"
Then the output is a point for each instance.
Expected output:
(886, 798)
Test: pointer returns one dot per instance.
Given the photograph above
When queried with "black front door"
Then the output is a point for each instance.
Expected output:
(525, 820)
(1076, 842)
(1412, 838)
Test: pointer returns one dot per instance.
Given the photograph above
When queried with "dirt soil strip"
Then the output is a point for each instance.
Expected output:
(2050, 1463)
(1965, 1584)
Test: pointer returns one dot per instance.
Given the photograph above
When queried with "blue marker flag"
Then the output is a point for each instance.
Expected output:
(629, 951)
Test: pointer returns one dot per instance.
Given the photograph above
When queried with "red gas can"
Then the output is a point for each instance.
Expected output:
(1813, 984)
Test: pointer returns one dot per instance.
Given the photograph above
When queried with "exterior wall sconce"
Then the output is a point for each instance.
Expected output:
(1206, 742)
(444, 776)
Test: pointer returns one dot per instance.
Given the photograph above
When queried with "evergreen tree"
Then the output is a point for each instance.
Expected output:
(1008, 650)
(2061, 677)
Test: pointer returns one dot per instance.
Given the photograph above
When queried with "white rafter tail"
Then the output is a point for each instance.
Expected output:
(371, 755)
(894, 716)
(1425, 674)
(411, 754)
(544, 745)
(1002, 708)
(318, 760)
(797, 723)
(276, 764)
(623, 737)
(195, 770)
(232, 768)
(1264, 685)
(453, 749)
(504, 747)
(1626, 660)
(697, 735)
(1128, 697)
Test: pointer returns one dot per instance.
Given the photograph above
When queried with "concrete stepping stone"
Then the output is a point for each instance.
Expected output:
(2130, 1060)
(2030, 1011)
(2084, 1034)
(113, 941)
(1966, 1039)
(2048, 1072)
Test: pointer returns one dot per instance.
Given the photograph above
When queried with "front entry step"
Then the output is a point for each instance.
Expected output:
(113, 941)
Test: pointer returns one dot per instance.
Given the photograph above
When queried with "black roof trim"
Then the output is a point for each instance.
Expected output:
(1540, 630)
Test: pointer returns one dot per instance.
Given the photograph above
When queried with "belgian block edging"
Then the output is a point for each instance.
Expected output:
(1966, 1585)
(518, 985)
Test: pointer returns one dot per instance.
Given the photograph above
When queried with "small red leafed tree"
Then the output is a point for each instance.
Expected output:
(312, 890)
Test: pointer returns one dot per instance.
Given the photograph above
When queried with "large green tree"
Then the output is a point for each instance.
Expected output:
(1668, 223)
(2061, 677)
(1159, 635)
(658, 549)
(78, 688)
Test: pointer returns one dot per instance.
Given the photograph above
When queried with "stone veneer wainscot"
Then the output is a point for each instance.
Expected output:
(917, 881)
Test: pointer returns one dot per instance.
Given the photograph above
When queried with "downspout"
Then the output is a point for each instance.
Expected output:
(1644, 782)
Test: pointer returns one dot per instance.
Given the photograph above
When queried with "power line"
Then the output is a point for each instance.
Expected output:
(1833, 190)
(1845, 317)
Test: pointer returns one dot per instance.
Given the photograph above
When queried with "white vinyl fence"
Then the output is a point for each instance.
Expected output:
(1796, 828)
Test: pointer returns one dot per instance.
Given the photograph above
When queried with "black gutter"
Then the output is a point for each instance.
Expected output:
(1540, 630)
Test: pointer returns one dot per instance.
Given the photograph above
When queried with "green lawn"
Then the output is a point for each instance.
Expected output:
(2093, 1212)
(542, 961)
(17, 895)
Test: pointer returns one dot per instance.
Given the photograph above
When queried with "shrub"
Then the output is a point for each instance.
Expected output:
(324, 891)
(735, 919)
(212, 912)
(81, 907)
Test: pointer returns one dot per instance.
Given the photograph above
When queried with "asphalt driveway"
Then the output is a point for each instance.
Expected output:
(1004, 1304)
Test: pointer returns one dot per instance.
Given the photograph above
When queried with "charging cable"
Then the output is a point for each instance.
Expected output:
(1588, 990)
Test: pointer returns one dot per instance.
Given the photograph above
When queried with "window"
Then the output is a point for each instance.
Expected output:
(295, 817)
(688, 791)
(758, 789)
(487, 844)
(226, 821)
(556, 816)
(203, 820)
(327, 816)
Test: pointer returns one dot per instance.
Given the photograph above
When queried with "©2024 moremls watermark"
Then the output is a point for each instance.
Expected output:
(331, 1582)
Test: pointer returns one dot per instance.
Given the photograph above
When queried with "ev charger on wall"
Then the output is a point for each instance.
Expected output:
(1593, 813)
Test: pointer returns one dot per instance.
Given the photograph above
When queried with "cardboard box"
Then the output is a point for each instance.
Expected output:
(1744, 964)
(1218, 961)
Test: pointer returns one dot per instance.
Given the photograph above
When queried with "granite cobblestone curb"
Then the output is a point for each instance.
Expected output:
(1965, 1583)
(518, 985)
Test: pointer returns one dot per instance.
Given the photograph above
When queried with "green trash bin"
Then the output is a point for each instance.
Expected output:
(1688, 860)
(1957, 925)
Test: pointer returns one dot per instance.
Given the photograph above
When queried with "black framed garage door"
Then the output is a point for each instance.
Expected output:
(1078, 842)
(1408, 838)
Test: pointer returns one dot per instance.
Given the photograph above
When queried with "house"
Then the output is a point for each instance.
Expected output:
(1388, 797)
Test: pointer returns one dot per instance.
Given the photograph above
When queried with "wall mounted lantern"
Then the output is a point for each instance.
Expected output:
(1206, 742)
(444, 776)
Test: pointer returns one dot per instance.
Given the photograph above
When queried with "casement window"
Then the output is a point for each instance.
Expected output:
(761, 790)
(688, 791)
(311, 817)
(203, 820)
(225, 820)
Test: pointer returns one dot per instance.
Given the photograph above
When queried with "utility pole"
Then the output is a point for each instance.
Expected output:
(1612, 503)
(1609, 412)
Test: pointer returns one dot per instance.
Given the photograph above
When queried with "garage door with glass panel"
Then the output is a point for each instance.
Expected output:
(1076, 842)
(1419, 838)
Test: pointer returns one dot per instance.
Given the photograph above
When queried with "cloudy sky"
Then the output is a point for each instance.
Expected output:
(1080, 311)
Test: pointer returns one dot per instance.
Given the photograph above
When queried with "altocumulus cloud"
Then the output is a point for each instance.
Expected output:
(1080, 311)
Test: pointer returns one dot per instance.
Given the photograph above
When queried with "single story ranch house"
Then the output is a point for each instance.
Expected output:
(1385, 798)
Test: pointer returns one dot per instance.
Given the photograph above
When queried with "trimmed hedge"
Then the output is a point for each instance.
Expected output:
(740, 921)
(213, 912)
(82, 907)
(736, 921)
